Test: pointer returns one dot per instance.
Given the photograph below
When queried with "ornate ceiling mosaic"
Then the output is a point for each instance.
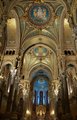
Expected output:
(40, 51)
(39, 15)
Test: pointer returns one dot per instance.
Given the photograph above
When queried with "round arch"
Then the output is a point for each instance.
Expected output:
(6, 63)
(44, 68)
(39, 39)
(39, 82)
(13, 19)
(34, 62)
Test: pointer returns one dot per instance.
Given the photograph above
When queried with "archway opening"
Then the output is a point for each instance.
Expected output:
(40, 88)
(40, 91)
(39, 68)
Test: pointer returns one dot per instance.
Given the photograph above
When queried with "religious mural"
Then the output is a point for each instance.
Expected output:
(39, 14)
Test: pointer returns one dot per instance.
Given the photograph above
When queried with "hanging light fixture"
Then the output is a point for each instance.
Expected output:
(28, 112)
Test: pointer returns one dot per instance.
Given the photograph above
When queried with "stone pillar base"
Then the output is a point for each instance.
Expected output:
(67, 116)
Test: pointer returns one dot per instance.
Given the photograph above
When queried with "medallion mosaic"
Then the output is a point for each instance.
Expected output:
(39, 14)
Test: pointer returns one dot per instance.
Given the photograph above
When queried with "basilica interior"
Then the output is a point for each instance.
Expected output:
(38, 59)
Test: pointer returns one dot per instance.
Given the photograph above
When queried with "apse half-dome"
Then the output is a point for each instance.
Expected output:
(40, 88)
(40, 91)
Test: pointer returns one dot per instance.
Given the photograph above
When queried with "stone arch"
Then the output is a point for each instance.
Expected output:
(14, 37)
(38, 67)
(38, 39)
(35, 69)
(7, 67)
(26, 54)
(71, 77)
(6, 63)
(40, 73)
(61, 27)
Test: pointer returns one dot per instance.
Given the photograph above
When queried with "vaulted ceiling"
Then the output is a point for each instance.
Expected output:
(25, 28)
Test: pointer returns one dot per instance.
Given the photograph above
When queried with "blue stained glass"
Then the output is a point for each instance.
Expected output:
(41, 86)
(33, 100)
(48, 100)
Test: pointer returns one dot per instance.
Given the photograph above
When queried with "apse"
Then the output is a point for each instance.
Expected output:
(40, 89)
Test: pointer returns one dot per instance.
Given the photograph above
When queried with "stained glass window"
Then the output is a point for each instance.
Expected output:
(40, 92)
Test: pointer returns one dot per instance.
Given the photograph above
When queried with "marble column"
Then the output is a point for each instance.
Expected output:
(14, 105)
(75, 36)
(65, 99)
(26, 96)
(20, 109)
(9, 101)
(2, 85)
(0, 98)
